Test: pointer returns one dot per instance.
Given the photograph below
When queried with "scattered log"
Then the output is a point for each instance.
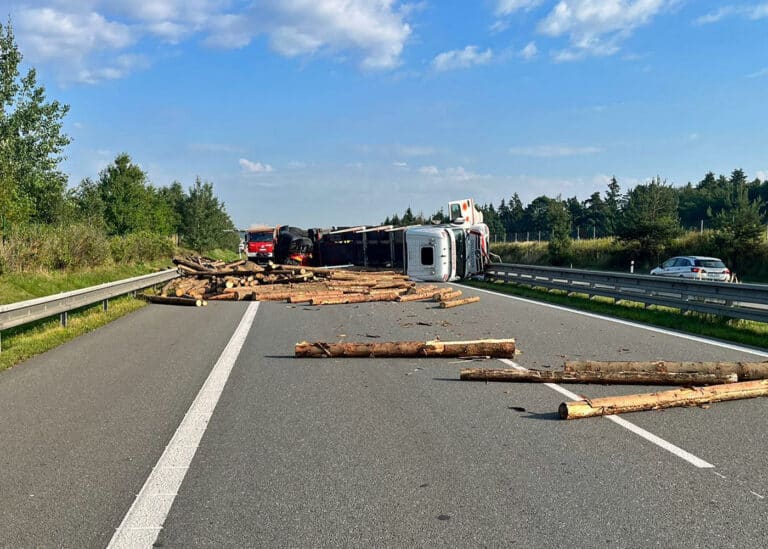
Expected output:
(191, 264)
(170, 300)
(618, 378)
(458, 302)
(497, 348)
(415, 297)
(747, 371)
(447, 296)
(223, 297)
(665, 399)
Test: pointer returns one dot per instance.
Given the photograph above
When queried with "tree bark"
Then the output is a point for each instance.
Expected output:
(458, 302)
(419, 296)
(618, 378)
(665, 399)
(747, 371)
(497, 348)
(447, 296)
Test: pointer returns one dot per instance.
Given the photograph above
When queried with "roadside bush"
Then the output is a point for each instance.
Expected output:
(74, 247)
(21, 248)
(140, 246)
(41, 247)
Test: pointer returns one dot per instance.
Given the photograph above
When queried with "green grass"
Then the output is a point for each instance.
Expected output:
(24, 342)
(745, 332)
(16, 287)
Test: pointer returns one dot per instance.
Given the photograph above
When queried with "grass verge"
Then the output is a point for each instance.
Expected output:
(16, 287)
(745, 332)
(24, 342)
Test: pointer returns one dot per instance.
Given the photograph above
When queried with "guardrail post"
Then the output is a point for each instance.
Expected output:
(105, 305)
(64, 317)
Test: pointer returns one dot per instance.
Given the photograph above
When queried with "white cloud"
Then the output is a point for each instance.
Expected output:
(596, 28)
(254, 167)
(714, 16)
(459, 173)
(400, 165)
(755, 12)
(461, 59)
(553, 151)
(508, 7)
(375, 28)
(759, 12)
(758, 74)
(84, 38)
(529, 51)
(762, 175)
(50, 34)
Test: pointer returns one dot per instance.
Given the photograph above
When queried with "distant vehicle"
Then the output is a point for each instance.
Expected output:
(694, 267)
(260, 243)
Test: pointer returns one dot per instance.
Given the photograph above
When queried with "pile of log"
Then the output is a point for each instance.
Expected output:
(717, 381)
(203, 280)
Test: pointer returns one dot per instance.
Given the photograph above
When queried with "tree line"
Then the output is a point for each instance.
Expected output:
(120, 201)
(649, 215)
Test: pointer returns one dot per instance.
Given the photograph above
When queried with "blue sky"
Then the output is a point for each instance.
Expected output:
(341, 112)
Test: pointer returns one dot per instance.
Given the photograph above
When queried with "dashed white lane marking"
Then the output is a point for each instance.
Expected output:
(720, 475)
(681, 335)
(647, 435)
(144, 520)
(756, 494)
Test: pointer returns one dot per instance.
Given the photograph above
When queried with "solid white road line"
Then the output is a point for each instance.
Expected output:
(144, 520)
(681, 335)
(647, 435)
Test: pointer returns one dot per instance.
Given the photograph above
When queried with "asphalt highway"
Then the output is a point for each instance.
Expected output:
(284, 452)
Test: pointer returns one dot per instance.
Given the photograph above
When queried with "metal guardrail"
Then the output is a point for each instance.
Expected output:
(24, 312)
(742, 301)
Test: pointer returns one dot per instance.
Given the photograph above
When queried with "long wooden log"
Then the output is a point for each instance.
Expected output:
(747, 371)
(170, 300)
(458, 302)
(497, 348)
(665, 399)
(309, 296)
(223, 297)
(354, 298)
(447, 296)
(613, 378)
(190, 264)
(422, 296)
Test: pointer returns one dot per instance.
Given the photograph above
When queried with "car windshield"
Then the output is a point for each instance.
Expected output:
(711, 263)
(260, 237)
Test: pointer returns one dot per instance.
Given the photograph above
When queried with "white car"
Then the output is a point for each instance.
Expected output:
(694, 267)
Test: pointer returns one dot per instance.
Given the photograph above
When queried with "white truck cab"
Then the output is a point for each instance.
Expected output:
(445, 253)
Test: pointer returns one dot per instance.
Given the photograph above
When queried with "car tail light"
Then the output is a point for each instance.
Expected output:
(697, 270)
(726, 271)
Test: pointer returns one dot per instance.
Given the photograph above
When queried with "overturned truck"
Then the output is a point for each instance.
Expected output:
(444, 252)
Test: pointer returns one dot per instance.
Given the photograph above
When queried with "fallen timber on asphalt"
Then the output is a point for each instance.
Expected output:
(618, 378)
(746, 371)
(458, 302)
(204, 279)
(497, 348)
(665, 399)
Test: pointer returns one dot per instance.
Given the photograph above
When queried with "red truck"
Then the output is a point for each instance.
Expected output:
(260, 243)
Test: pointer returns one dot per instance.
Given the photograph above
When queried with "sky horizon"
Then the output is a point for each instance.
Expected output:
(344, 112)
